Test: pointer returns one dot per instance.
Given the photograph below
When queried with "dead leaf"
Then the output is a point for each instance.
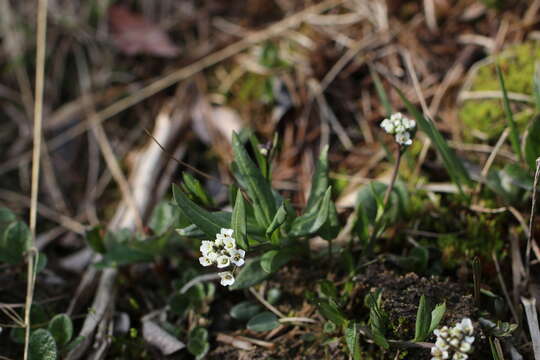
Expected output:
(133, 34)
(156, 336)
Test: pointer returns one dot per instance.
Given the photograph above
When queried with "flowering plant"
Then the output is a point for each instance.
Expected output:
(261, 222)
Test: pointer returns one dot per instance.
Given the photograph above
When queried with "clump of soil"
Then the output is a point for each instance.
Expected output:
(400, 294)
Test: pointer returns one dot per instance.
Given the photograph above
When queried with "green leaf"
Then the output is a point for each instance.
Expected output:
(423, 320)
(436, 316)
(238, 221)
(208, 222)
(40, 262)
(6, 216)
(351, 338)
(251, 274)
(331, 311)
(196, 190)
(61, 329)
(495, 349)
(42, 346)
(319, 182)
(381, 93)
(377, 319)
(273, 295)
(94, 238)
(536, 86)
(330, 229)
(121, 251)
(179, 303)
(329, 289)
(273, 260)
(257, 187)
(163, 217)
(531, 146)
(261, 159)
(198, 342)
(245, 310)
(278, 220)
(310, 223)
(453, 164)
(15, 241)
(264, 321)
(514, 134)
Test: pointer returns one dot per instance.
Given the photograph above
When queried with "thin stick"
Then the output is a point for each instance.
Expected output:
(504, 289)
(531, 222)
(36, 152)
(183, 163)
(266, 303)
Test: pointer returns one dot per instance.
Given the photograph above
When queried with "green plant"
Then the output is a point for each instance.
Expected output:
(262, 222)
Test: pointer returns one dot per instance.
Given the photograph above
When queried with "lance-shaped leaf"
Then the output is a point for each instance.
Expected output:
(238, 221)
(311, 222)
(257, 187)
(196, 190)
(352, 339)
(453, 164)
(319, 181)
(423, 320)
(531, 146)
(514, 134)
(273, 260)
(208, 222)
(436, 316)
(278, 220)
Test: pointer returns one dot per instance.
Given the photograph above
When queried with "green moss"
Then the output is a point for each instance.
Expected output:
(487, 116)
(482, 237)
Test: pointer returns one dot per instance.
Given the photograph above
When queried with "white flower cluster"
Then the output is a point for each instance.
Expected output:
(456, 341)
(222, 252)
(400, 126)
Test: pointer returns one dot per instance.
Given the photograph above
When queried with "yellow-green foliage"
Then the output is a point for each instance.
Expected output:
(481, 237)
(487, 116)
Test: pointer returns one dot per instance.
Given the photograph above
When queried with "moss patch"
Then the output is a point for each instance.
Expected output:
(487, 116)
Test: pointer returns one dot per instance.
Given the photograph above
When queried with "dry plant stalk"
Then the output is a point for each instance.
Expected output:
(36, 156)
(143, 178)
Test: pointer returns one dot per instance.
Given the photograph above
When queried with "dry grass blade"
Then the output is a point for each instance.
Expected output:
(36, 156)
(532, 321)
(530, 237)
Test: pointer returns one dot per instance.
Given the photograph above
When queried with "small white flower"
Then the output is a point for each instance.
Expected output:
(465, 347)
(227, 278)
(227, 232)
(229, 244)
(441, 344)
(237, 257)
(403, 138)
(439, 353)
(388, 126)
(467, 326)
(205, 261)
(206, 246)
(454, 341)
(212, 255)
(219, 240)
(223, 261)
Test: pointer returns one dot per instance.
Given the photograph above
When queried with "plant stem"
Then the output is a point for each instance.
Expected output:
(530, 236)
(369, 248)
(392, 179)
